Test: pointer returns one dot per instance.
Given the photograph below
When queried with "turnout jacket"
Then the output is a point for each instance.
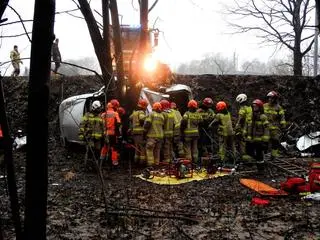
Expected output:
(257, 128)
(91, 127)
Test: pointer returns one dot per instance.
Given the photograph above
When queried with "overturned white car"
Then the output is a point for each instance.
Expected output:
(73, 108)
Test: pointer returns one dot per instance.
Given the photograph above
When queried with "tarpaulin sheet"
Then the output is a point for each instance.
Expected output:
(197, 176)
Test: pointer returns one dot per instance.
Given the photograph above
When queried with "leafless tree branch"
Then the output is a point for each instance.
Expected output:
(307, 38)
(75, 2)
(68, 11)
(97, 12)
(16, 35)
(153, 5)
(22, 23)
(308, 48)
(75, 16)
(10, 23)
(219, 66)
(136, 9)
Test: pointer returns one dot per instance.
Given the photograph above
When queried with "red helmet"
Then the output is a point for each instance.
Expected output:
(157, 106)
(121, 111)
(165, 104)
(221, 106)
(115, 103)
(207, 102)
(142, 103)
(273, 94)
(258, 102)
(173, 105)
(192, 104)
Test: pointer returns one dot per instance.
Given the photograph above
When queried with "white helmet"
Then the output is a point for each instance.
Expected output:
(241, 98)
(96, 105)
(272, 94)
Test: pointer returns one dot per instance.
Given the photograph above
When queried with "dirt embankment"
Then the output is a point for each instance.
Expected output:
(299, 95)
(211, 209)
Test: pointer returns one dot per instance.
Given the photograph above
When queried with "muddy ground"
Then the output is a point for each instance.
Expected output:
(211, 209)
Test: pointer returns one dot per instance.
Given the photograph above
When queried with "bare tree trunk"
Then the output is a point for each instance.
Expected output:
(297, 63)
(106, 36)
(297, 55)
(98, 43)
(118, 49)
(144, 26)
(37, 123)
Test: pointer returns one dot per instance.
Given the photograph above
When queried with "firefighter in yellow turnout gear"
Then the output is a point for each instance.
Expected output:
(244, 112)
(256, 132)
(206, 136)
(169, 125)
(153, 130)
(137, 119)
(225, 131)
(92, 129)
(190, 131)
(276, 117)
(177, 144)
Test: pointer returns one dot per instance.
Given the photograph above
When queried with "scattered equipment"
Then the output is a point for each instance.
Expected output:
(262, 188)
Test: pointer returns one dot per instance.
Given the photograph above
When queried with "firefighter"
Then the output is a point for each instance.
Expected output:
(244, 111)
(123, 129)
(276, 117)
(137, 119)
(225, 131)
(115, 104)
(207, 115)
(153, 131)
(15, 61)
(112, 123)
(190, 131)
(256, 132)
(169, 126)
(91, 130)
(177, 144)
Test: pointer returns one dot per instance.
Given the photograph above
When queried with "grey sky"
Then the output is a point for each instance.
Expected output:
(190, 29)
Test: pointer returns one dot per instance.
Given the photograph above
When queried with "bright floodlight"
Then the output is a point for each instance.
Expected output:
(150, 64)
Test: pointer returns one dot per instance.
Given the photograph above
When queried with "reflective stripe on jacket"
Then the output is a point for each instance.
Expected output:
(275, 114)
(257, 128)
(225, 124)
(111, 121)
(137, 118)
(169, 123)
(191, 122)
(91, 127)
(206, 115)
(177, 121)
(156, 121)
(243, 113)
